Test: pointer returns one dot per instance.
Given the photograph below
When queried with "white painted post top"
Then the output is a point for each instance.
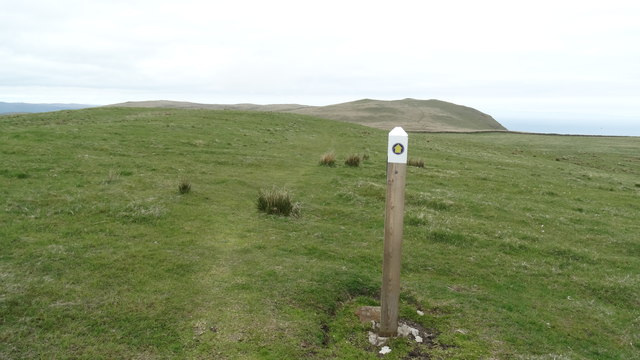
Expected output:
(398, 146)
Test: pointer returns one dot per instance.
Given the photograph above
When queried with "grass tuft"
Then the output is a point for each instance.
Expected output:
(184, 187)
(353, 160)
(276, 201)
(328, 159)
(416, 162)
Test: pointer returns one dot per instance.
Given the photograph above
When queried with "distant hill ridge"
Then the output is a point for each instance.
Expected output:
(411, 114)
(12, 108)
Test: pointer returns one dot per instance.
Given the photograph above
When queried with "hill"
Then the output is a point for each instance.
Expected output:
(411, 114)
(190, 105)
(515, 246)
(15, 108)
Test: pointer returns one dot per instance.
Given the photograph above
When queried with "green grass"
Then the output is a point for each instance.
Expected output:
(515, 246)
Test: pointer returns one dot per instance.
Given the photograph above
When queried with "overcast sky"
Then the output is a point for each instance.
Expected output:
(526, 63)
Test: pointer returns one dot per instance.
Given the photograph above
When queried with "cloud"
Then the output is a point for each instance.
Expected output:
(502, 57)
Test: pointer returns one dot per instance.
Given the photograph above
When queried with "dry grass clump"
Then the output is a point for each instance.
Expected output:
(353, 160)
(416, 162)
(142, 211)
(328, 159)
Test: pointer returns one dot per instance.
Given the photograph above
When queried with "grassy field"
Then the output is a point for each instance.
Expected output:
(515, 247)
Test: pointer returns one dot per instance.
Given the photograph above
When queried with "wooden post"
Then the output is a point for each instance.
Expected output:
(394, 216)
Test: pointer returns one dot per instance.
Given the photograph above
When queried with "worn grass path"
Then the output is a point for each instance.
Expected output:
(516, 246)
